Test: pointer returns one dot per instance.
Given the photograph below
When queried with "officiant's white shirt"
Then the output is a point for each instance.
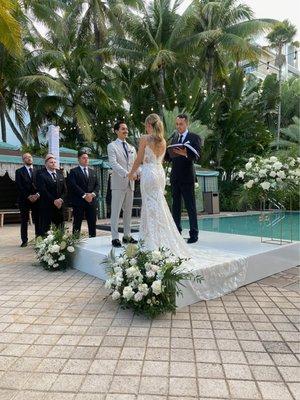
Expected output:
(183, 135)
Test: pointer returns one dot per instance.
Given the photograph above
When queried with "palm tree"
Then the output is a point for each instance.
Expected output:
(11, 99)
(290, 140)
(63, 82)
(154, 42)
(238, 128)
(224, 28)
(10, 29)
(282, 34)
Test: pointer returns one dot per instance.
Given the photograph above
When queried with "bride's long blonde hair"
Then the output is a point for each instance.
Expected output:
(157, 125)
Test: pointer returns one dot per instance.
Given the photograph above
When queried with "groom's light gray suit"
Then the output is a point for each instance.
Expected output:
(121, 188)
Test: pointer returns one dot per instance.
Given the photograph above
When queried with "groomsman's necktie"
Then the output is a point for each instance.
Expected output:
(85, 173)
(30, 173)
(125, 148)
(53, 176)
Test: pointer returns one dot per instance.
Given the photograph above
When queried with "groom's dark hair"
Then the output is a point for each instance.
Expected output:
(118, 123)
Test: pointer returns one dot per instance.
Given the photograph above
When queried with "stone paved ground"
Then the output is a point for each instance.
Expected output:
(62, 339)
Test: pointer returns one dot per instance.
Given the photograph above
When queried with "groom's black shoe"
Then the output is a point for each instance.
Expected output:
(116, 243)
(192, 240)
(129, 240)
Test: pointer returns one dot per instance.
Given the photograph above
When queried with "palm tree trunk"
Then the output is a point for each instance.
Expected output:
(97, 37)
(162, 91)
(3, 126)
(14, 129)
(279, 104)
(210, 70)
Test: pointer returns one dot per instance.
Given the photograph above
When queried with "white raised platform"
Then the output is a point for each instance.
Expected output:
(263, 259)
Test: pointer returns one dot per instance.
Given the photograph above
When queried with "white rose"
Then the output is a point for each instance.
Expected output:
(143, 288)
(262, 172)
(50, 262)
(265, 185)
(108, 284)
(128, 293)
(241, 174)
(273, 174)
(115, 295)
(251, 159)
(278, 180)
(277, 165)
(154, 267)
(249, 184)
(273, 159)
(156, 287)
(62, 257)
(248, 166)
(133, 261)
(55, 248)
(156, 255)
(150, 273)
(196, 185)
(55, 265)
(70, 249)
(281, 174)
(292, 163)
(138, 296)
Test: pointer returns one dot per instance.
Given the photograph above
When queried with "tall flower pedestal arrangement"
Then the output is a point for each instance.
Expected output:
(272, 181)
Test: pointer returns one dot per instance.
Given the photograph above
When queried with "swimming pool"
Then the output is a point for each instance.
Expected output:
(250, 225)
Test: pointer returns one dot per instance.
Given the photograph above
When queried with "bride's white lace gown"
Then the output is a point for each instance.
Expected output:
(222, 272)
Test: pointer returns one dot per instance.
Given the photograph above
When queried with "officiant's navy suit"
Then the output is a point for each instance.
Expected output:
(51, 189)
(26, 185)
(182, 181)
(79, 185)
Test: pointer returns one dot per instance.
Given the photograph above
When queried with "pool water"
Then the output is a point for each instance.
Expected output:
(250, 225)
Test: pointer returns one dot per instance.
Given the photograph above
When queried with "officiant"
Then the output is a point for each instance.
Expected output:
(182, 176)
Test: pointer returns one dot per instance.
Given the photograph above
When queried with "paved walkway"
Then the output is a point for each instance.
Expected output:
(62, 339)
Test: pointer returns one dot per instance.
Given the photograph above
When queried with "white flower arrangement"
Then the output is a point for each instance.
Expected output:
(265, 175)
(55, 250)
(146, 281)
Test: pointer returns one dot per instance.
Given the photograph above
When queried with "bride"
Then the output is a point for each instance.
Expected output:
(157, 227)
(222, 272)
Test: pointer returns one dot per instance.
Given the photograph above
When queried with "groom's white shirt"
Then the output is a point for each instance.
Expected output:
(120, 164)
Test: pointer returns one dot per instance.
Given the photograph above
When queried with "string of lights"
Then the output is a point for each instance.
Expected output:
(190, 97)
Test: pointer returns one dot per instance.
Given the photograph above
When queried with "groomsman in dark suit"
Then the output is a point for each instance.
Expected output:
(84, 187)
(28, 197)
(182, 176)
(52, 189)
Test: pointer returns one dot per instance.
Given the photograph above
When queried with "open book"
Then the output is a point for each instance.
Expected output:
(172, 154)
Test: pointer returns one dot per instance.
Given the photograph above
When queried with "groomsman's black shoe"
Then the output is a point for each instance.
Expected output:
(192, 240)
(116, 243)
(129, 240)
(24, 244)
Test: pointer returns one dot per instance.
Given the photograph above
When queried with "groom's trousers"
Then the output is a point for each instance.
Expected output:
(121, 199)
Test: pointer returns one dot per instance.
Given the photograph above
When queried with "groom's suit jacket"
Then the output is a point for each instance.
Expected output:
(183, 170)
(120, 164)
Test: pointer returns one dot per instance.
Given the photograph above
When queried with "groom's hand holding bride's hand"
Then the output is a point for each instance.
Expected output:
(131, 176)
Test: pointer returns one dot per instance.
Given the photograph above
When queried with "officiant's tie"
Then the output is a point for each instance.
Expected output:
(85, 173)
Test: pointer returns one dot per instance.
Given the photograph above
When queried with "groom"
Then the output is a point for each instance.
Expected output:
(121, 157)
(183, 175)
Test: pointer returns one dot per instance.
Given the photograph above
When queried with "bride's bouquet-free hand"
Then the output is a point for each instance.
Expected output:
(147, 281)
(54, 252)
